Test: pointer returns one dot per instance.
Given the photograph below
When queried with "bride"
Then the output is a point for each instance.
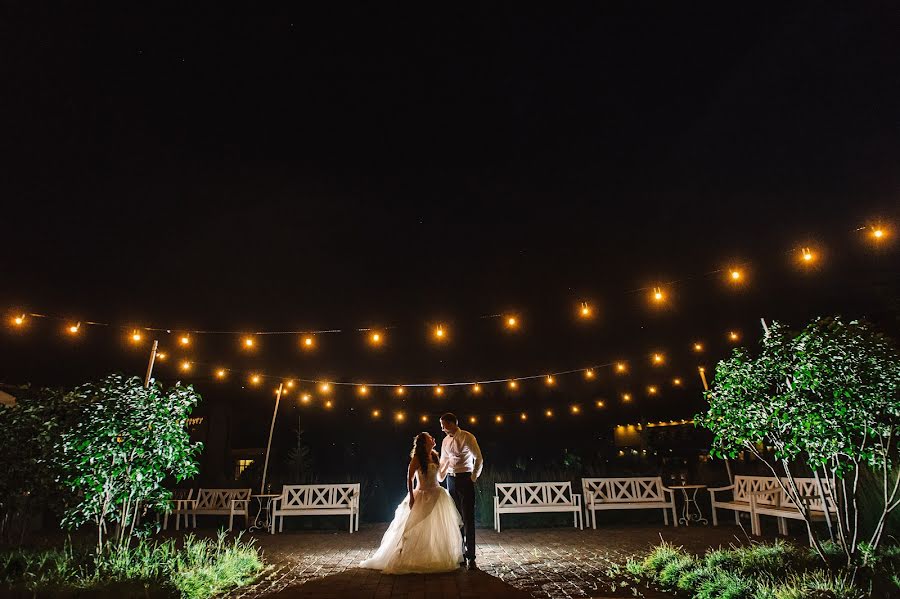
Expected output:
(424, 535)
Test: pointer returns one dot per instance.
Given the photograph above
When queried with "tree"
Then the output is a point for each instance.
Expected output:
(826, 398)
(124, 441)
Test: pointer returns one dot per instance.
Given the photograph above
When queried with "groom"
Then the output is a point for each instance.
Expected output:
(460, 449)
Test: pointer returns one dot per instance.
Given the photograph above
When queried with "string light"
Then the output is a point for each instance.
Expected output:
(185, 340)
(621, 367)
(473, 420)
(423, 418)
(289, 383)
(651, 390)
(329, 404)
(438, 390)
(807, 256)
(498, 419)
(658, 359)
(698, 347)
(305, 398)
(400, 390)
(74, 328)
(325, 387)
(255, 379)
(575, 409)
(399, 416)
(548, 413)
(185, 366)
(658, 295)
(220, 373)
(600, 403)
(734, 336)
(307, 342)
(363, 390)
(512, 322)
(375, 338)
(476, 388)
(735, 275)
(523, 416)
(136, 336)
(249, 342)
(585, 311)
(439, 333)
(161, 356)
(376, 413)
(676, 382)
(626, 397)
(19, 320)
(589, 373)
(513, 385)
(550, 380)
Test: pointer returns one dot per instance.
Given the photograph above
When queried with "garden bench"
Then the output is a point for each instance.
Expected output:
(220, 502)
(179, 505)
(523, 498)
(741, 491)
(316, 500)
(777, 503)
(633, 493)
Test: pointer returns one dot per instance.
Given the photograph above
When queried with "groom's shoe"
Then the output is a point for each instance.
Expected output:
(471, 565)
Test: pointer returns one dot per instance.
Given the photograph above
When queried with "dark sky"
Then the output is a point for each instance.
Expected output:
(361, 166)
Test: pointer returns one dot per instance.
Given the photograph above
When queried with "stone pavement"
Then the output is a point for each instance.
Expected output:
(517, 563)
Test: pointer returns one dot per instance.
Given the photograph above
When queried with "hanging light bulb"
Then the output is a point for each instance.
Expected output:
(473, 420)
(220, 373)
(498, 419)
(589, 373)
(658, 295)
(575, 409)
(307, 342)
(523, 416)
(658, 359)
(807, 256)
(438, 390)
(161, 356)
(476, 388)
(255, 379)
(698, 347)
(376, 338)
(74, 329)
(626, 397)
(185, 340)
(676, 382)
(363, 390)
(185, 366)
(399, 416)
(440, 333)
(400, 390)
(651, 390)
(550, 380)
(289, 383)
(585, 311)
(878, 233)
(325, 387)
(329, 404)
(735, 275)
(512, 322)
(621, 367)
(513, 385)
(423, 418)
(305, 398)
(376, 413)
(734, 336)
(548, 413)
(249, 342)
(600, 403)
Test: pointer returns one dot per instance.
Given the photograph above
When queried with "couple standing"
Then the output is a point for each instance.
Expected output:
(424, 535)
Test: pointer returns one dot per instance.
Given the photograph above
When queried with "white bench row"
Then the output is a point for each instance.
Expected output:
(763, 496)
(600, 493)
(295, 500)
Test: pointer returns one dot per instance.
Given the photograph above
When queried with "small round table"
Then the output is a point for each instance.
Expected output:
(264, 500)
(689, 514)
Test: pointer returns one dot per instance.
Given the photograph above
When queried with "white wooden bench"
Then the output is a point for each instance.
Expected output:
(741, 491)
(179, 506)
(221, 502)
(527, 498)
(316, 500)
(641, 493)
(777, 503)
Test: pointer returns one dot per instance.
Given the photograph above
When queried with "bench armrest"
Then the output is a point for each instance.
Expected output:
(235, 502)
(576, 499)
(716, 489)
(183, 504)
(668, 490)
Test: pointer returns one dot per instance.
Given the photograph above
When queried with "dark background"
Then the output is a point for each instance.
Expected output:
(253, 169)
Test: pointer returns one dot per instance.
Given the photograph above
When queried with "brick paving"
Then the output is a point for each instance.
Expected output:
(517, 563)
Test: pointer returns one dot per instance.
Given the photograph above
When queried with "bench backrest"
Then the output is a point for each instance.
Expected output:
(745, 485)
(809, 487)
(624, 490)
(309, 497)
(219, 499)
(536, 494)
(182, 493)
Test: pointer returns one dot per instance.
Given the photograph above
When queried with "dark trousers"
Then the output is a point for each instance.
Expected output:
(462, 490)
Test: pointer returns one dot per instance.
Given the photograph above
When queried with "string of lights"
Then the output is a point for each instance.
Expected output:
(807, 256)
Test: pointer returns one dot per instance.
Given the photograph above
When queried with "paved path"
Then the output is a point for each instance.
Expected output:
(517, 563)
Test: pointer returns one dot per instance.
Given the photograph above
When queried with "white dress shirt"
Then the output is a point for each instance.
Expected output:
(460, 453)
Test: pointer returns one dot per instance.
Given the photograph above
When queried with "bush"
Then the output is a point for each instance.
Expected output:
(199, 569)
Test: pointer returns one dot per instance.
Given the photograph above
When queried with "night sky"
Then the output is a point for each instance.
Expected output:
(371, 166)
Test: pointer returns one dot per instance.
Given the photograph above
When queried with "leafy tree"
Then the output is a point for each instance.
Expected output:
(826, 397)
(124, 441)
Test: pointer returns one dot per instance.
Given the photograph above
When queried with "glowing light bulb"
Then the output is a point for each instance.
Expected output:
(476, 388)
(589, 373)
(676, 382)
(185, 340)
(698, 347)
(733, 336)
(423, 418)
(735, 275)
(651, 390)
(307, 342)
(513, 385)
(807, 255)
(399, 416)
(220, 373)
(621, 367)
(375, 338)
(329, 404)
(439, 333)
(575, 409)
(548, 413)
(185, 366)
(74, 328)
(289, 383)
(473, 420)
(438, 390)
(585, 311)
(523, 416)
(19, 320)
(325, 387)
(376, 413)
(255, 379)
(363, 390)
(305, 398)
(658, 359)
(249, 342)
(400, 390)
(511, 322)
(658, 294)
(161, 355)
(600, 403)
(136, 336)
(498, 419)
(550, 380)
(626, 397)
(878, 233)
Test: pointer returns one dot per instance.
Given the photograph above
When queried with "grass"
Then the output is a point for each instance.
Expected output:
(776, 570)
(199, 569)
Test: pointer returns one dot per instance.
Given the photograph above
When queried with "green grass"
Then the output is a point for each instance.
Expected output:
(198, 569)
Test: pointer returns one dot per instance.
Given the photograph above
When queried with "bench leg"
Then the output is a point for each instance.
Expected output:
(715, 518)
(737, 517)
(351, 523)
(594, 519)
(230, 521)
(674, 517)
(782, 526)
(281, 525)
(165, 521)
(665, 517)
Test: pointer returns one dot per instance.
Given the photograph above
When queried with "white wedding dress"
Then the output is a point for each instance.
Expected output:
(425, 538)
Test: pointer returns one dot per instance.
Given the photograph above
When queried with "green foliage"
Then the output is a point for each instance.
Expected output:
(816, 583)
(199, 569)
(125, 440)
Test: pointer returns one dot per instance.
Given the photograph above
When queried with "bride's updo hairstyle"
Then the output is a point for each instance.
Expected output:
(418, 451)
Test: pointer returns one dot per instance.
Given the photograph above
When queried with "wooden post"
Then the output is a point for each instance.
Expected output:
(262, 486)
(150, 363)
(706, 388)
